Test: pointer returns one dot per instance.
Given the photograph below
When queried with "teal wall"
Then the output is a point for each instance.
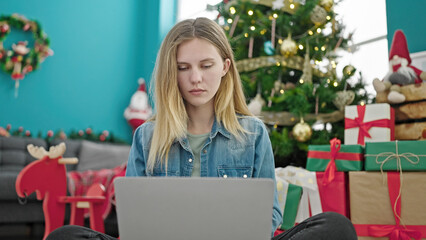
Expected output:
(410, 17)
(101, 48)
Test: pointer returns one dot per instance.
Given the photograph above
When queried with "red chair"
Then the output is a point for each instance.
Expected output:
(47, 177)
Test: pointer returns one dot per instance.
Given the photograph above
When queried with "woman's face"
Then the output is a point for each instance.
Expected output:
(200, 70)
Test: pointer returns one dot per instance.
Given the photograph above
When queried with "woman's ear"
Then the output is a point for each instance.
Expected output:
(226, 65)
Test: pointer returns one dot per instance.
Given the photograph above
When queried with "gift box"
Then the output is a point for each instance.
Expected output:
(345, 157)
(288, 199)
(380, 211)
(334, 195)
(290, 184)
(395, 155)
(369, 123)
(316, 197)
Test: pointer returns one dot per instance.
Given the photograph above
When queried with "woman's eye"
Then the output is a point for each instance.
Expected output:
(182, 68)
(207, 66)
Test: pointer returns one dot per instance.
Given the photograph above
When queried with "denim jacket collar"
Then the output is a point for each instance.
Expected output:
(216, 128)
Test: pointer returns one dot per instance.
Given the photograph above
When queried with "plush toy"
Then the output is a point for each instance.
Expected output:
(401, 72)
(139, 109)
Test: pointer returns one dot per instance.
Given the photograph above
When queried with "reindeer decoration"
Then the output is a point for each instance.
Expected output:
(47, 177)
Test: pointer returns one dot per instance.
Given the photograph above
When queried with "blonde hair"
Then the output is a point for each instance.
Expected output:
(171, 117)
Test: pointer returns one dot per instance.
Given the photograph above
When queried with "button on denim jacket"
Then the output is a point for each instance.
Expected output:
(221, 156)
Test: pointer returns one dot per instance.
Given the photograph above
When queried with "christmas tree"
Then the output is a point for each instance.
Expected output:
(287, 55)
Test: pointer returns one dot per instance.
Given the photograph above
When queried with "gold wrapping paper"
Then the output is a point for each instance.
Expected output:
(370, 203)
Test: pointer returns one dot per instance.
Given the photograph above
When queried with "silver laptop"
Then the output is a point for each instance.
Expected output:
(194, 208)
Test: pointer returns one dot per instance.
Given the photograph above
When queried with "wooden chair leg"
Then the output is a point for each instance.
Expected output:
(96, 220)
(77, 215)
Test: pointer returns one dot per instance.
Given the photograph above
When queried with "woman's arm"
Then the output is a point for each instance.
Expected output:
(136, 163)
(265, 168)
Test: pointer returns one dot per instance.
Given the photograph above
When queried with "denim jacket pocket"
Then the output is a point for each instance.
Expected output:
(234, 172)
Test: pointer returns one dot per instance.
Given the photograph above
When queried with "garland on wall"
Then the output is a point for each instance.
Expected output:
(86, 134)
(21, 59)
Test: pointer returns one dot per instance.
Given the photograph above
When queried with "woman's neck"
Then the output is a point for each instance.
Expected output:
(200, 120)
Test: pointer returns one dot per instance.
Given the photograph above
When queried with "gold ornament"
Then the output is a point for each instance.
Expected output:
(343, 98)
(349, 71)
(326, 4)
(318, 15)
(288, 47)
(302, 132)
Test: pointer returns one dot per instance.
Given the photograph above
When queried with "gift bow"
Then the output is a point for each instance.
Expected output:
(397, 231)
(364, 127)
(331, 166)
(396, 155)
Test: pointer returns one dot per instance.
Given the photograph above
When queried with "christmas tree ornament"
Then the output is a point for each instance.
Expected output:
(343, 98)
(288, 47)
(256, 104)
(139, 109)
(21, 60)
(327, 4)
(318, 15)
(269, 48)
(349, 71)
(307, 69)
(302, 132)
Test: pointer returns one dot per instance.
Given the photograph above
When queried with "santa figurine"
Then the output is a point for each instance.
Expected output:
(20, 50)
(139, 109)
(401, 72)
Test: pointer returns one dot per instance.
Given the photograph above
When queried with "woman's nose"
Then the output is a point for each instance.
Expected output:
(196, 76)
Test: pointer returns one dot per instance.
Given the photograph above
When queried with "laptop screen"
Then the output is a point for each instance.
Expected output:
(194, 208)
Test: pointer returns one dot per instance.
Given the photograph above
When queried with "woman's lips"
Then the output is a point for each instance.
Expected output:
(197, 91)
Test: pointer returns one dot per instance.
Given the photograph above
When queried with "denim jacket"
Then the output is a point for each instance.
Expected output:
(221, 156)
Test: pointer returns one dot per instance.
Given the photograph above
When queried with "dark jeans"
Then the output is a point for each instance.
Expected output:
(327, 225)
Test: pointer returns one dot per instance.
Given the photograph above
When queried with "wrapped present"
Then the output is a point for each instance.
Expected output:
(389, 205)
(316, 197)
(334, 195)
(288, 198)
(335, 157)
(395, 155)
(309, 202)
(369, 123)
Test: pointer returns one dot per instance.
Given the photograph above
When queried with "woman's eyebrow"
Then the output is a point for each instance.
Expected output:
(203, 60)
(207, 60)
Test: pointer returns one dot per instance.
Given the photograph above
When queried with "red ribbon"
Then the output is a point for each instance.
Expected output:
(397, 231)
(392, 231)
(332, 156)
(331, 166)
(364, 127)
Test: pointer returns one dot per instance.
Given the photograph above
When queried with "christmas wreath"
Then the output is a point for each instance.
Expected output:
(21, 60)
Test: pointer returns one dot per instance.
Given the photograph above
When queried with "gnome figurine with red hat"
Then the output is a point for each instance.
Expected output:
(401, 72)
(139, 109)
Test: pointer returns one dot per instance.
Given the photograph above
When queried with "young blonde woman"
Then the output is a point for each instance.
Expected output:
(202, 127)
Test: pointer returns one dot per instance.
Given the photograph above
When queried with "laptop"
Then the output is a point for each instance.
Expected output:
(161, 208)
